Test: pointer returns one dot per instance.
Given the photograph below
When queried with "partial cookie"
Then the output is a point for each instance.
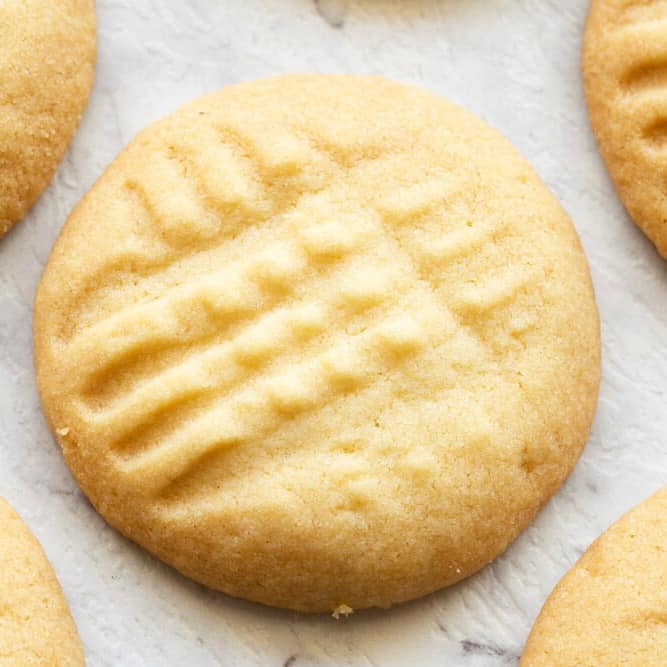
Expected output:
(36, 627)
(47, 58)
(611, 607)
(624, 63)
(319, 341)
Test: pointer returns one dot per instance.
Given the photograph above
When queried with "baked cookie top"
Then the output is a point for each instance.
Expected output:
(624, 64)
(611, 607)
(47, 58)
(36, 627)
(319, 340)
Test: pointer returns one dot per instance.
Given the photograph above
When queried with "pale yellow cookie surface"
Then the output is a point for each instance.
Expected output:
(47, 57)
(36, 627)
(319, 341)
(624, 64)
(610, 609)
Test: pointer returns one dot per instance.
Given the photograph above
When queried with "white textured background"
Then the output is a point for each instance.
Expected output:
(514, 63)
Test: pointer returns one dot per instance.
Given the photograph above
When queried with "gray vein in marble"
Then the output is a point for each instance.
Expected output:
(332, 11)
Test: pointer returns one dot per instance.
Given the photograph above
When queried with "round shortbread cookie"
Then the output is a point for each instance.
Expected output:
(36, 627)
(624, 64)
(319, 340)
(47, 58)
(611, 607)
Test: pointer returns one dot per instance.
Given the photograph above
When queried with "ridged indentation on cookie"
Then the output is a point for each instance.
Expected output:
(655, 134)
(286, 309)
(202, 311)
(347, 367)
(646, 76)
(624, 63)
(229, 362)
(131, 268)
(657, 617)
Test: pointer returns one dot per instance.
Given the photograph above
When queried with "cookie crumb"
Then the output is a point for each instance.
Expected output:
(342, 610)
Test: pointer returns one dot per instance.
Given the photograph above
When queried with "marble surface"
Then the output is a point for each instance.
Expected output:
(514, 63)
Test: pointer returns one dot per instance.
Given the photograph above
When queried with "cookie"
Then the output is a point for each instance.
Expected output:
(36, 627)
(320, 342)
(624, 64)
(611, 607)
(47, 58)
